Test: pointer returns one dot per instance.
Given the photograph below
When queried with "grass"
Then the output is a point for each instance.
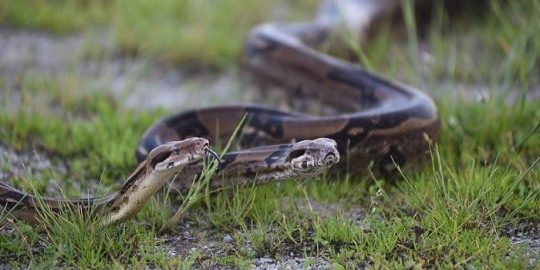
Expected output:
(459, 211)
(173, 31)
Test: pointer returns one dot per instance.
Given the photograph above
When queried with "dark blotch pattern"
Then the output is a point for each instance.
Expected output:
(277, 155)
(159, 158)
(296, 153)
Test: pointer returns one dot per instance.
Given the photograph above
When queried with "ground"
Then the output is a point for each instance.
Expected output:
(75, 102)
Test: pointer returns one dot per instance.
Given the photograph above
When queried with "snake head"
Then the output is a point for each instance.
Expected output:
(177, 154)
(312, 157)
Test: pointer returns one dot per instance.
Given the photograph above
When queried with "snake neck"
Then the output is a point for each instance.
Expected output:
(133, 195)
(29, 207)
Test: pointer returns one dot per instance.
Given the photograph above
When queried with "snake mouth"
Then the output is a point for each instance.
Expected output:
(180, 162)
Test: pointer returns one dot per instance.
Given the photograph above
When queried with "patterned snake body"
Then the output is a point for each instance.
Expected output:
(182, 160)
(377, 123)
(161, 165)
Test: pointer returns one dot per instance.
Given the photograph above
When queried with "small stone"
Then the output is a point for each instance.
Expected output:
(227, 239)
(266, 260)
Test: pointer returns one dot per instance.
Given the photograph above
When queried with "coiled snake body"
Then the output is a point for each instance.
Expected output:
(378, 124)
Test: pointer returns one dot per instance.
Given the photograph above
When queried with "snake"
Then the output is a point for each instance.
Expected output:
(382, 126)
(177, 160)
(363, 123)
(162, 164)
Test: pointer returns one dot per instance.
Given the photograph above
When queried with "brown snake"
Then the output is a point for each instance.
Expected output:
(162, 164)
(167, 161)
(378, 125)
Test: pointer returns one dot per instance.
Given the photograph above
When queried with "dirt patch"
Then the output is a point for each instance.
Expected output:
(527, 235)
(35, 163)
(137, 81)
(207, 244)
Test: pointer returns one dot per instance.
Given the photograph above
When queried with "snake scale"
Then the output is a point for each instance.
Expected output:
(366, 123)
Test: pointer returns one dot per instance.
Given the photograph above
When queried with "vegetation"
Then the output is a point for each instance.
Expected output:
(460, 211)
